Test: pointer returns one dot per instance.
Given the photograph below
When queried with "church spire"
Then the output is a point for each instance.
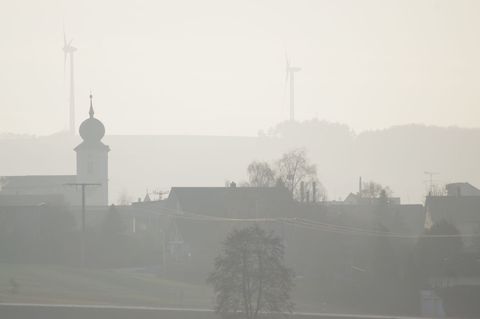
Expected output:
(91, 112)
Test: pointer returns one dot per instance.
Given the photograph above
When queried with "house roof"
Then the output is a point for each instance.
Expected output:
(236, 202)
(464, 209)
(360, 200)
(31, 200)
(462, 189)
(12, 183)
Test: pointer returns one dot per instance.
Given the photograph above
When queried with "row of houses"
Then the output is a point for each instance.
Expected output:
(193, 221)
(460, 205)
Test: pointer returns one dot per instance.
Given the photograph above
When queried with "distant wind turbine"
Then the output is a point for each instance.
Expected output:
(68, 49)
(290, 74)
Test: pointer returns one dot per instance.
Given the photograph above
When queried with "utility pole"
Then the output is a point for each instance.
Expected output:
(83, 187)
(164, 252)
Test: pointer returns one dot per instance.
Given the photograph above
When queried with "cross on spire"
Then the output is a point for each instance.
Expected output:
(91, 112)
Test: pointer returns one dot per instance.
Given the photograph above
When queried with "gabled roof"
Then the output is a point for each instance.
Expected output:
(31, 200)
(147, 198)
(356, 199)
(462, 189)
(463, 209)
(11, 183)
(232, 202)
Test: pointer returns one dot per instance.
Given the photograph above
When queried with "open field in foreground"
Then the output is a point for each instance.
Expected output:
(61, 285)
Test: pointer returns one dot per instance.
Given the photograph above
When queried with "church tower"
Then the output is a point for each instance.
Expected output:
(92, 160)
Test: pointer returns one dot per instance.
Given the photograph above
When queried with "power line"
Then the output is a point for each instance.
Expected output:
(306, 224)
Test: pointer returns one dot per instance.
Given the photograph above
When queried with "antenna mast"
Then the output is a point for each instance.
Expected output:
(430, 181)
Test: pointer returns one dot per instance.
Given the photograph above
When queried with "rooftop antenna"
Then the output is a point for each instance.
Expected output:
(290, 74)
(430, 180)
(160, 193)
(69, 50)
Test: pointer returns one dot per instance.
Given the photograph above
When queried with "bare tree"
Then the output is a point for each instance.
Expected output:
(260, 174)
(293, 168)
(315, 189)
(375, 190)
(124, 198)
(290, 170)
(249, 277)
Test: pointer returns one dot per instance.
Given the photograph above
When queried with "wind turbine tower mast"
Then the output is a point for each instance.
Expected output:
(290, 75)
(69, 50)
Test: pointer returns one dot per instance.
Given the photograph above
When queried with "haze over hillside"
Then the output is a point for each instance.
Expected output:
(397, 157)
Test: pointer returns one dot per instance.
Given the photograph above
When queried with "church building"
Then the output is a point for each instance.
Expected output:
(92, 169)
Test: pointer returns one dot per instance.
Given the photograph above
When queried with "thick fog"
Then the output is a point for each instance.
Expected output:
(218, 67)
(239, 159)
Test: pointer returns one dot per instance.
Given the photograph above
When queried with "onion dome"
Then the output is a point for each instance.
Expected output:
(92, 130)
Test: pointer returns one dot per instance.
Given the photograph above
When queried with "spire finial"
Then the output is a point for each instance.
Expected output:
(91, 112)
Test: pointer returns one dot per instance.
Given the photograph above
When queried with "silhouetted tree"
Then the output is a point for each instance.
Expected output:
(375, 190)
(250, 277)
(260, 174)
(293, 168)
(290, 170)
(381, 208)
(124, 198)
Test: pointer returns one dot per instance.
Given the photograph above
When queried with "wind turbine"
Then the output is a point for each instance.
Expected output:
(290, 74)
(68, 49)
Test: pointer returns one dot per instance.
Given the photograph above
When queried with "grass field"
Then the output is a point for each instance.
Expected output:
(48, 284)
(62, 285)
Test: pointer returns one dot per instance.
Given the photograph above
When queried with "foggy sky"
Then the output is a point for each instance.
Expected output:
(218, 67)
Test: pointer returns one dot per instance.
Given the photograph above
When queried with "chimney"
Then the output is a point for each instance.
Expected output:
(302, 191)
(360, 186)
(314, 192)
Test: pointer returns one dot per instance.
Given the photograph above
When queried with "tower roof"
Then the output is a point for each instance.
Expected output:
(92, 130)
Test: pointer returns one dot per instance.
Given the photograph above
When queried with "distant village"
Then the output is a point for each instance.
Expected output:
(329, 243)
